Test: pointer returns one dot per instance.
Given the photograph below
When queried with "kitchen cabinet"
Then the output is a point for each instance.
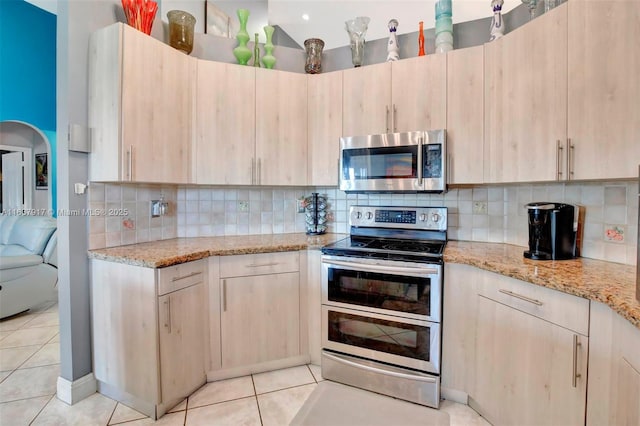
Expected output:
(141, 93)
(259, 309)
(604, 65)
(225, 124)
(324, 127)
(149, 333)
(401, 96)
(614, 369)
(465, 115)
(459, 313)
(281, 128)
(526, 102)
(314, 298)
(531, 354)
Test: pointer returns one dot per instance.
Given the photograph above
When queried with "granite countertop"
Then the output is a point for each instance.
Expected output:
(160, 254)
(613, 284)
(606, 282)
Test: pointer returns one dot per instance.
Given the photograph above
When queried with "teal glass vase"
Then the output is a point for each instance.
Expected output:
(242, 52)
(268, 60)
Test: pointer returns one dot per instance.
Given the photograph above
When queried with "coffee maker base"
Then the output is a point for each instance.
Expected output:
(537, 256)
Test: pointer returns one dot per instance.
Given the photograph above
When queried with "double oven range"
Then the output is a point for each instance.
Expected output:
(382, 302)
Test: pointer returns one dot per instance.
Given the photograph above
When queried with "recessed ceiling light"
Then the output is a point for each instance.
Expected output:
(305, 16)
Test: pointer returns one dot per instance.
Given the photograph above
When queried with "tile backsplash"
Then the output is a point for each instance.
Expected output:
(483, 213)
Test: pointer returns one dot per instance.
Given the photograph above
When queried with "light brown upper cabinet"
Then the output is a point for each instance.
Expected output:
(604, 89)
(324, 128)
(465, 115)
(399, 96)
(526, 102)
(225, 124)
(140, 108)
(281, 127)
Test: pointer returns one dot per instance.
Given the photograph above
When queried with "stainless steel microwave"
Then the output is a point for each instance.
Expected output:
(394, 162)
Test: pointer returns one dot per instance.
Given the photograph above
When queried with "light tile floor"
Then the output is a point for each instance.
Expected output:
(30, 365)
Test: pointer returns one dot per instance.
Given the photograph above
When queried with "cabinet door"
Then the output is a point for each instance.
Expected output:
(281, 127)
(419, 93)
(157, 103)
(604, 89)
(525, 369)
(324, 127)
(366, 101)
(225, 124)
(181, 322)
(259, 319)
(526, 100)
(465, 115)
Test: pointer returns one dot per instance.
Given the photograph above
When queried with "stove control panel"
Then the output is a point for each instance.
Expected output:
(431, 218)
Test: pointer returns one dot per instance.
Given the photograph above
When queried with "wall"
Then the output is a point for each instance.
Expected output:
(498, 216)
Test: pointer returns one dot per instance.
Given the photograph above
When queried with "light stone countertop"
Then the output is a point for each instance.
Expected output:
(610, 283)
(613, 284)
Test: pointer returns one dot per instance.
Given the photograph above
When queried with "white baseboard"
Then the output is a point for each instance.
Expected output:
(454, 395)
(72, 392)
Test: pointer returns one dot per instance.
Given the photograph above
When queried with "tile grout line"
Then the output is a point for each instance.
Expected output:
(255, 395)
(42, 409)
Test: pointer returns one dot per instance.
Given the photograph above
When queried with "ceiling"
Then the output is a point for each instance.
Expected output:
(326, 18)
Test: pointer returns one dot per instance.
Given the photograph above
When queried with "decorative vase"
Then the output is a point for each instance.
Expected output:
(242, 52)
(181, 26)
(140, 14)
(268, 60)
(256, 53)
(421, 39)
(497, 27)
(313, 47)
(392, 44)
(357, 28)
(444, 26)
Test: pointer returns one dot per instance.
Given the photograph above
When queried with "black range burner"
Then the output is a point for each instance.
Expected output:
(409, 250)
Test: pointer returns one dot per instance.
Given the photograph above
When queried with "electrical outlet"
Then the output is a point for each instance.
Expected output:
(479, 207)
(243, 206)
(300, 206)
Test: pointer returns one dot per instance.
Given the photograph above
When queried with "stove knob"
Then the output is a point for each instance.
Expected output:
(435, 217)
(369, 215)
(358, 215)
(423, 217)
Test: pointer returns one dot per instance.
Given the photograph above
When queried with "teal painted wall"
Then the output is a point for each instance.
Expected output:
(28, 71)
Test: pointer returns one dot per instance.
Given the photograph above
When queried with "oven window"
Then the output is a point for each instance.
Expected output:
(380, 163)
(380, 335)
(383, 291)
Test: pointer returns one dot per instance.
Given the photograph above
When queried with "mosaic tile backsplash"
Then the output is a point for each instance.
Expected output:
(487, 213)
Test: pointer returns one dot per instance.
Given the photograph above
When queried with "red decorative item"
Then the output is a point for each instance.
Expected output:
(140, 14)
(421, 40)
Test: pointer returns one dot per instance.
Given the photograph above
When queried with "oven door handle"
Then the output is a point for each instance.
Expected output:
(382, 268)
(339, 359)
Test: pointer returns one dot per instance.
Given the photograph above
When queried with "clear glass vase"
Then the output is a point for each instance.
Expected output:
(357, 28)
(313, 47)
(181, 26)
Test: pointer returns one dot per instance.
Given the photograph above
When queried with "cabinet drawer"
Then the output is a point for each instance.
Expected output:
(259, 264)
(563, 309)
(180, 276)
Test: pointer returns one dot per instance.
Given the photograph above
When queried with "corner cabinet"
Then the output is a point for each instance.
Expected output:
(149, 333)
(526, 102)
(141, 94)
(400, 96)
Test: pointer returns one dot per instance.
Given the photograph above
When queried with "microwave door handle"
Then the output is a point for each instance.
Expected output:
(382, 268)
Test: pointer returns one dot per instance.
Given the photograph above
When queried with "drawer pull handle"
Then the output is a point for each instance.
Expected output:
(224, 295)
(260, 265)
(193, 274)
(576, 375)
(167, 322)
(521, 297)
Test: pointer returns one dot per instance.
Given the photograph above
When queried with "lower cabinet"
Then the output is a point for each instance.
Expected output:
(614, 369)
(148, 329)
(259, 307)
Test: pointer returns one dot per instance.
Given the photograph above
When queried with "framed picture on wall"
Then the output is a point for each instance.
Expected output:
(218, 23)
(42, 171)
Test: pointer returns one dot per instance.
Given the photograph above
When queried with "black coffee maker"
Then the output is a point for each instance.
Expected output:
(553, 229)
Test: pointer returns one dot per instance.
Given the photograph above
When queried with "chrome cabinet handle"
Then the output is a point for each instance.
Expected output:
(559, 149)
(259, 265)
(521, 297)
(253, 171)
(259, 174)
(395, 118)
(570, 160)
(576, 375)
(387, 117)
(193, 274)
(224, 295)
(449, 169)
(130, 163)
(167, 317)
